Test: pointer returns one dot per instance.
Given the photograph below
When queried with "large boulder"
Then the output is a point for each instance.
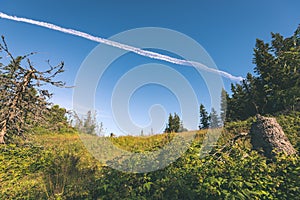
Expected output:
(267, 135)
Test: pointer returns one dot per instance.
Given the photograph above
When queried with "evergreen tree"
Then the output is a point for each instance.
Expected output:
(169, 124)
(276, 87)
(90, 123)
(181, 128)
(55, 119)
(176, 123)
(224, 98)
(87, 124)
(214, 119)
(278, 66)
(204, 118)
(173, 123)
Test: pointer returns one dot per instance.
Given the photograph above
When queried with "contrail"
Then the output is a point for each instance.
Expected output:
(149, 54)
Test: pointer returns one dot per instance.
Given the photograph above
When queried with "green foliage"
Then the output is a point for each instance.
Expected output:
(20, 171)
(57, 117)
(277, 84)
(204, 118)
(237, 127)
(58, 166)
(174, 124)
(87, 124)
(142, 144)
(214, 119)
(291, 126)
(67, 177)
(223, 104)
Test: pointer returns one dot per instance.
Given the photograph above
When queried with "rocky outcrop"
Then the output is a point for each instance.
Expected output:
(267, 135)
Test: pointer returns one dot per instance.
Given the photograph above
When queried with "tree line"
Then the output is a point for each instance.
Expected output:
(274, 88)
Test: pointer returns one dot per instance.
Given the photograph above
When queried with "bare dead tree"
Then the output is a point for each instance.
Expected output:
(24, 101)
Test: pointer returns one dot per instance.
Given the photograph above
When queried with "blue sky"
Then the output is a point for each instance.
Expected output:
(226, 29)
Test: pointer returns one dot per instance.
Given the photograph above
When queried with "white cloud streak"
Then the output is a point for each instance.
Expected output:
(149, 54)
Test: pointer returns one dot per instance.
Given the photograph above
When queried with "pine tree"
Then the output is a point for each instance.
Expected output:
(214, 119)
(181, 128)
(55, 119)
(224, 97)
(90, 123)
(276, 86)
(169, 124)
(204, 118)
(176, 123)
(173, 123)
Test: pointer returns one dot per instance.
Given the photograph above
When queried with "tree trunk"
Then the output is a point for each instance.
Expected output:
(13, 106)
(267, 135)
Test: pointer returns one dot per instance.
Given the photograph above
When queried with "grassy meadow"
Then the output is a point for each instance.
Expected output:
(58, 166)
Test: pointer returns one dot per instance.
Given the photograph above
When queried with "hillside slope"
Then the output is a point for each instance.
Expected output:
(58, 166)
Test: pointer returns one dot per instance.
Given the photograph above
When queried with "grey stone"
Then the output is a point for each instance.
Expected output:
(267, 135)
